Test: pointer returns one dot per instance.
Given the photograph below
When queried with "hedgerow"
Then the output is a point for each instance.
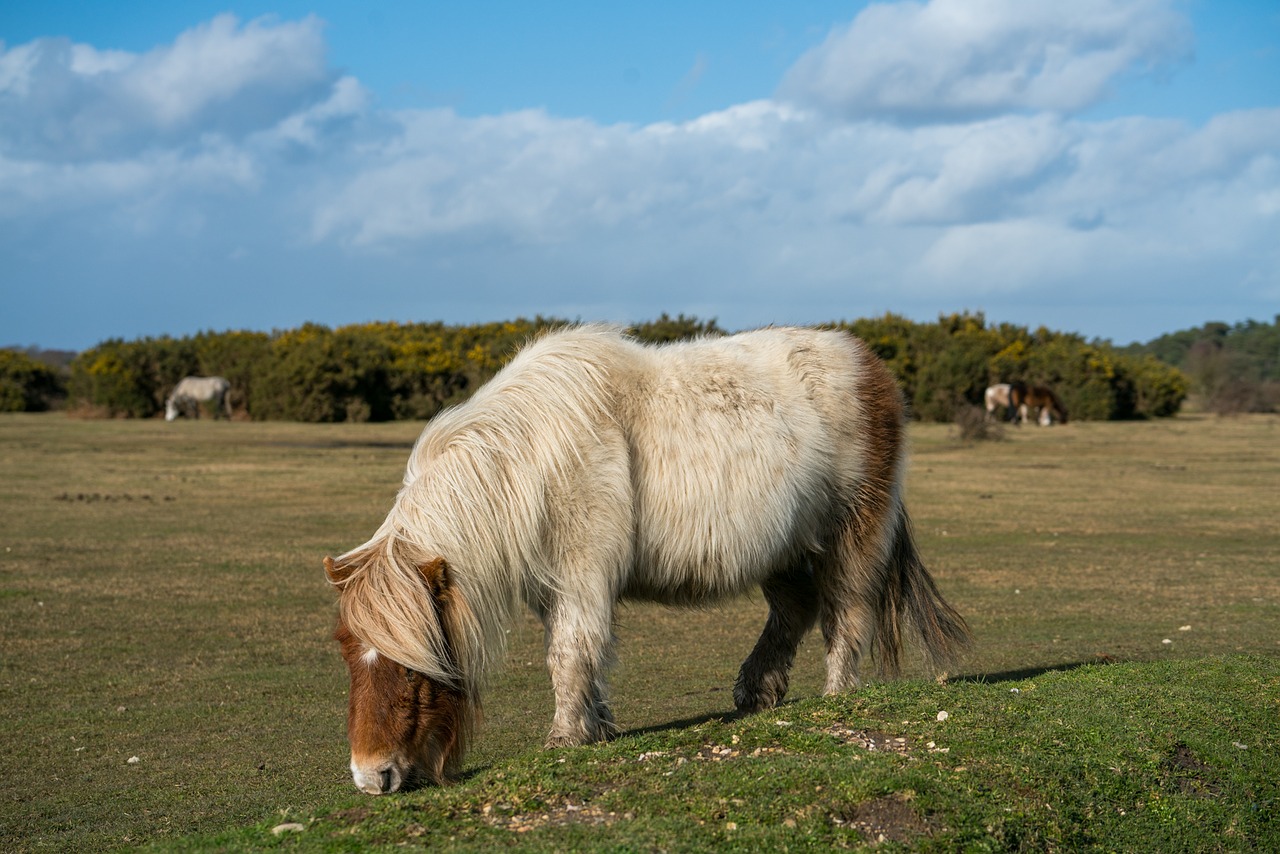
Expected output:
(26, 384)
(387, 371)
(946, 365)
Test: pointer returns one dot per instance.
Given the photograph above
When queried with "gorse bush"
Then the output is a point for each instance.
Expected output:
(132, 378)
(945, 365)
(386, 371)
(27, 384)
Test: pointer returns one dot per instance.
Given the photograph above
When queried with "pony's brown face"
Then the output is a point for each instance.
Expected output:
(405, 729)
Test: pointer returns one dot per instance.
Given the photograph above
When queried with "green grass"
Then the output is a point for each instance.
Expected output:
(1116, 757)
(161, 597)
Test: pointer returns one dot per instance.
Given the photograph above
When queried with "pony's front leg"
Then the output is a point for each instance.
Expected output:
(579, 652)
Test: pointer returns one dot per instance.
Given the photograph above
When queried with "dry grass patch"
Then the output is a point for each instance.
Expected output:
(192, 630)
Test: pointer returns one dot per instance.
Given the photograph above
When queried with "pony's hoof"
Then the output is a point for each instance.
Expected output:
(555, 741)
(766, 693)
(752, 706)
(749, 704)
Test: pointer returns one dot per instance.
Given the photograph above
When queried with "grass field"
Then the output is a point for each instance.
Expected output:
(168, 678)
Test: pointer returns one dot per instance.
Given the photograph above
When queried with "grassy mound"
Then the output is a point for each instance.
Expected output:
(1170, 756)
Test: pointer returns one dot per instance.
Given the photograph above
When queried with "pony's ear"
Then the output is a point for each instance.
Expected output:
(338, 575)
(436, 574)
(456, 617)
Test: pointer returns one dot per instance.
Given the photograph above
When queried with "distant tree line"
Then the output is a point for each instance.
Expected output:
(1233, 368)
(386, 371)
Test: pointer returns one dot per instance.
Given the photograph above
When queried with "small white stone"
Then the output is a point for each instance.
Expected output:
(133, 760)
(287, 827)
(942, 716)
(1166, 640)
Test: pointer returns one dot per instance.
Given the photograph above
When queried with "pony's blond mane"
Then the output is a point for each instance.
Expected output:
(474, 494)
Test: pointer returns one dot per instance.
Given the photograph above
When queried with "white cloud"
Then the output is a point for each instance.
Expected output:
(1015, 255)
(217, 112)
(956, 60)
(347, 103)
(37, 190)
(65, 101)
(531, 177)
(88, 61)
(218, 62)
(972, 173)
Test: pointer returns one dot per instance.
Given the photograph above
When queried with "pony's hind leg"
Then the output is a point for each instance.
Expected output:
(850, 578)
(793, 608)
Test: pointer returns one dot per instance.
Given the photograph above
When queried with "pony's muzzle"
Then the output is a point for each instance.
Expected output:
(378, 780)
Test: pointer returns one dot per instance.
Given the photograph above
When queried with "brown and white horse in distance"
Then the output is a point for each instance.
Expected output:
(1044, 402)
(1018, 400)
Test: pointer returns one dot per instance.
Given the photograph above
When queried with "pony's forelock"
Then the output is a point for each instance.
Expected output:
(387, 603)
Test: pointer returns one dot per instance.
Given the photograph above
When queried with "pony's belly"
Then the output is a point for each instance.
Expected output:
(687, 586)
(702, 554)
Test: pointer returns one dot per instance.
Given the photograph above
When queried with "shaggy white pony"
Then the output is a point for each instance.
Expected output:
(592, 469)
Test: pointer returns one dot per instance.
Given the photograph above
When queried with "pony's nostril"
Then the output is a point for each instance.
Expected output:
(374, 780)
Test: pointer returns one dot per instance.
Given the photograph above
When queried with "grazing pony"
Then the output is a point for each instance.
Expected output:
(1044, 401)
(593, 469)
(1003, 394)
(190, 392)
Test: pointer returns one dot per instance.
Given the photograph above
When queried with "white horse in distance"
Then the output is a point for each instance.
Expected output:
(190, 392)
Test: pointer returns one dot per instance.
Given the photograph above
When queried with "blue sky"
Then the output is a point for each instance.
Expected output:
(1110, 167)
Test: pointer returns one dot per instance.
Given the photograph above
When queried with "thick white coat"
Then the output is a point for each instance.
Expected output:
(593, 468)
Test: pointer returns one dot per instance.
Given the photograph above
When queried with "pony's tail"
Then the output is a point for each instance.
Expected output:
(911, 598)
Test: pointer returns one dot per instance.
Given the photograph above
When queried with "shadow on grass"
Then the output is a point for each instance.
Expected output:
(685, 723)
(1033, 672)
(473, 771)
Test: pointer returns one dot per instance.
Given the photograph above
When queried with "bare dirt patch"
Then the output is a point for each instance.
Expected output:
(1192, 777)
(870, 739)
(890, 818)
